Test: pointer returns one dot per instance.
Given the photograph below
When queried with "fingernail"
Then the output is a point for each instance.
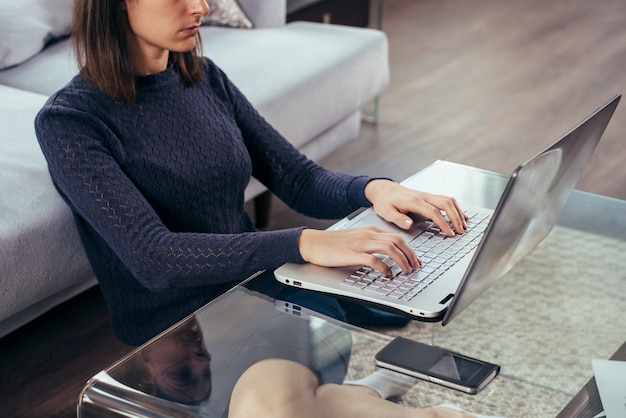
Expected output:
(408, 223)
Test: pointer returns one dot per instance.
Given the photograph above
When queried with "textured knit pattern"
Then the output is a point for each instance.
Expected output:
(157, 188)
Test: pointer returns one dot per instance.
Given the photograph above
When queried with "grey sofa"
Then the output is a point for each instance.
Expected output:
(309, 80)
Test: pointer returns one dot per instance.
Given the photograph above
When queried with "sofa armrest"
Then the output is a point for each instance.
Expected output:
(265, 13)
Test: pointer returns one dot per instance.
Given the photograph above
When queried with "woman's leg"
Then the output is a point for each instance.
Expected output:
(282, 388)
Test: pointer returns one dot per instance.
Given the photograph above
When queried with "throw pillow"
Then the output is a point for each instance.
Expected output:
(227, 13)
(26, 26)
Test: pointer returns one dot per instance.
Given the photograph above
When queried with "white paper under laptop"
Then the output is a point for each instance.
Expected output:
(526, 212)
(611, 381)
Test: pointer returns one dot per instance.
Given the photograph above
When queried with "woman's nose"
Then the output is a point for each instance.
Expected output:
(200, 7)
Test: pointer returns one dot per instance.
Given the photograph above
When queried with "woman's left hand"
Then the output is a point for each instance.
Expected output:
(393, 202)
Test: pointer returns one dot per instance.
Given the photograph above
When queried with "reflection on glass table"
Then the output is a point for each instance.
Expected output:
(192, 369)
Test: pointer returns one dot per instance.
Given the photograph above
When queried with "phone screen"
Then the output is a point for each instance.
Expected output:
(455, 367)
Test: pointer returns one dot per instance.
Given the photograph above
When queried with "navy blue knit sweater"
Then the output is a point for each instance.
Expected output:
(157, 189)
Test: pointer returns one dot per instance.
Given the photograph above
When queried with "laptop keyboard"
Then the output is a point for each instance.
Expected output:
(438, 253)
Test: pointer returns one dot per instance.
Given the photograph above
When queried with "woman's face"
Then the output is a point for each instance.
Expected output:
(181, 365)
(160, 26)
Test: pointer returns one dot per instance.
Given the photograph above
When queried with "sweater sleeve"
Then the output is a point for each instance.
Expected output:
(78, 148)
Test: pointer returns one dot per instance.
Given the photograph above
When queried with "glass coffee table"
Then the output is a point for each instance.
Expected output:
(543, 323)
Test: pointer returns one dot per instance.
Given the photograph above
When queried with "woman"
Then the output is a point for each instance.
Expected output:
(152, 147)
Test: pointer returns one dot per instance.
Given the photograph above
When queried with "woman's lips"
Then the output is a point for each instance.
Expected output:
(191, 30)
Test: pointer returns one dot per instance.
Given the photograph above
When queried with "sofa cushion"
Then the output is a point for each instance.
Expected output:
(226, 13)
(266, 13)
(26, 26)
(40, 250)
(45, 73)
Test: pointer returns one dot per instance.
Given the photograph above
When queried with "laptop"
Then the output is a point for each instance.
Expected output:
(495, 241)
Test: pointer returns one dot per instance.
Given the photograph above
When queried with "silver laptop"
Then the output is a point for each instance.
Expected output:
(457, 270)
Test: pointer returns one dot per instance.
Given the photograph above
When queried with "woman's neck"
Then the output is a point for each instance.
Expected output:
(148, 60)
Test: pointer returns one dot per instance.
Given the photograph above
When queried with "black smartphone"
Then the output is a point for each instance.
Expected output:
(436, 365)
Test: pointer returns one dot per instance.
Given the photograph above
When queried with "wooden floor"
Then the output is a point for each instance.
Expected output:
(482, 82)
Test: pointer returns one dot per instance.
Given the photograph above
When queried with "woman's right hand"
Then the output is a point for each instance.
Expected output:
(357, 246)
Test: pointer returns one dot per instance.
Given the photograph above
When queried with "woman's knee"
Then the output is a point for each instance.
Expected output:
(273, 388)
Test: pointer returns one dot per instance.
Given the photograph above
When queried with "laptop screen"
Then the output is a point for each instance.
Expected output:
(530, 206)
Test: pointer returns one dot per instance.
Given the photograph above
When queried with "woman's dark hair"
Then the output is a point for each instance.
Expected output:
(100, 37)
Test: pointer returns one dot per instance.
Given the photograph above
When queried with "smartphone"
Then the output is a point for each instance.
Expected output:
(436, 365)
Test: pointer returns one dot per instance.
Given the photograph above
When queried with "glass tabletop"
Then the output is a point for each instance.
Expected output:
(543, 322)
